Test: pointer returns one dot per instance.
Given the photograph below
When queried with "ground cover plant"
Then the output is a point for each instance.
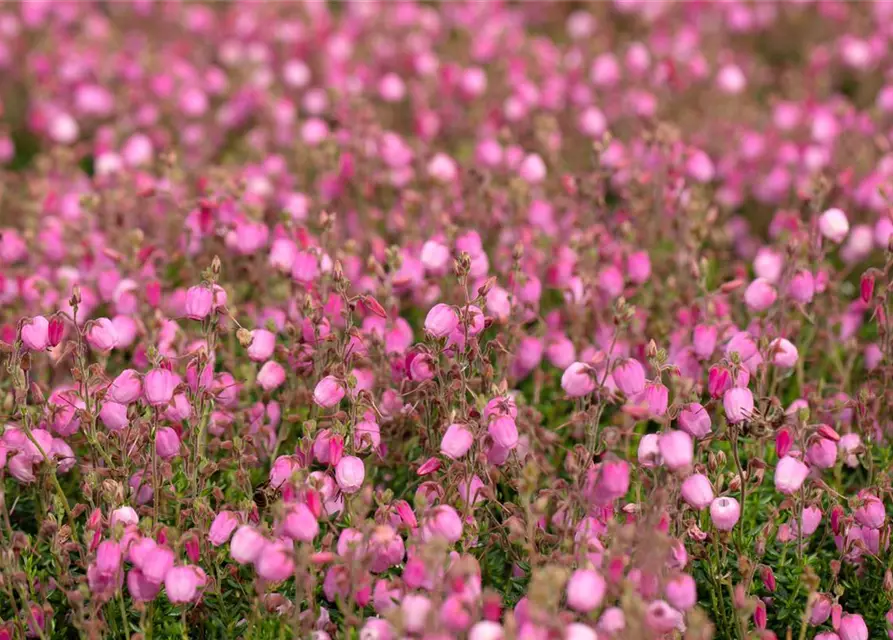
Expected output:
(480, 320)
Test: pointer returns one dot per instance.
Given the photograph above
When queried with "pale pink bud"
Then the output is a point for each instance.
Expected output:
(222, 527)
(790, 474)
(676, 449)
(328, 392)
(629, 376)
(246, 545)
(738, 404)
(833, 224)
(102, 335)
(577, 380)
(504, 432)
(271, 376)
(113, 416)
(262, 345)
(441, 320)
(695, 420)
(167, 443)
(300, 524)
(444, 522)
(199, 301)
(456, 441)
(760, 295)
(35, 333)
(126, 388)
(682, 592)
(349, 474)
(181, 584)
(853, 627)
(704, 340)
(802, 286)
(648, 452)
(697, 491)
(159, 386)
(725, 512)
(585, 590)
(783, 352)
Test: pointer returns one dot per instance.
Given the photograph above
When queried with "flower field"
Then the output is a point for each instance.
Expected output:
(476, 320)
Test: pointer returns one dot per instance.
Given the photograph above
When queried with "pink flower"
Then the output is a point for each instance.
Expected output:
(246, 544)
(349, 473)
(783, 352)
(704, 340)
(271, 376)
(504, 432)
(35, 333)
(126, 388)
(167, 443)
(790, 474)
(328, 392)
(697, 491)
(102, 335)
(629, 376)
(300, 524)
(852, 627)
(695, 420)
(113, 415)
(760, 295)
(738, 404)
(456, 441)
(181, 584)
(833, 224)
(274, 563)
(159, 386)
(263, 343)
(444, 522)
(441, 321)
(578, 380)
(656, 398)
(682, 592)
(585, 590)
(199, 301)
(676, 449)
(725, 512)
(222, 527)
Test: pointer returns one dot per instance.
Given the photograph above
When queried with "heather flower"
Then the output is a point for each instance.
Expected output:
(853, 627)
(181, 584)
(246, 544)
(629, 376)
(577, 380)
(456, 442)
(676, 450)
(199, 301)
(585, 590)
(159, 386)
(738, 405)
(262, 345)
(35, 333)
(790, 474)
(695, 420)
(126, 388)
(102, 335)
(328, 392)
(834, 225)
(760, 295)
(222, 528)
(271, 376)
(697, 491)
(349, 473)
(725, 512)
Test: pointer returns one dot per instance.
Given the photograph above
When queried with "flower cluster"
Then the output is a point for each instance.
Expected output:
(485, 320)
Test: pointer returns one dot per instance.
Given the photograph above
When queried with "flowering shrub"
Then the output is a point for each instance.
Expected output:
(464, 320)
